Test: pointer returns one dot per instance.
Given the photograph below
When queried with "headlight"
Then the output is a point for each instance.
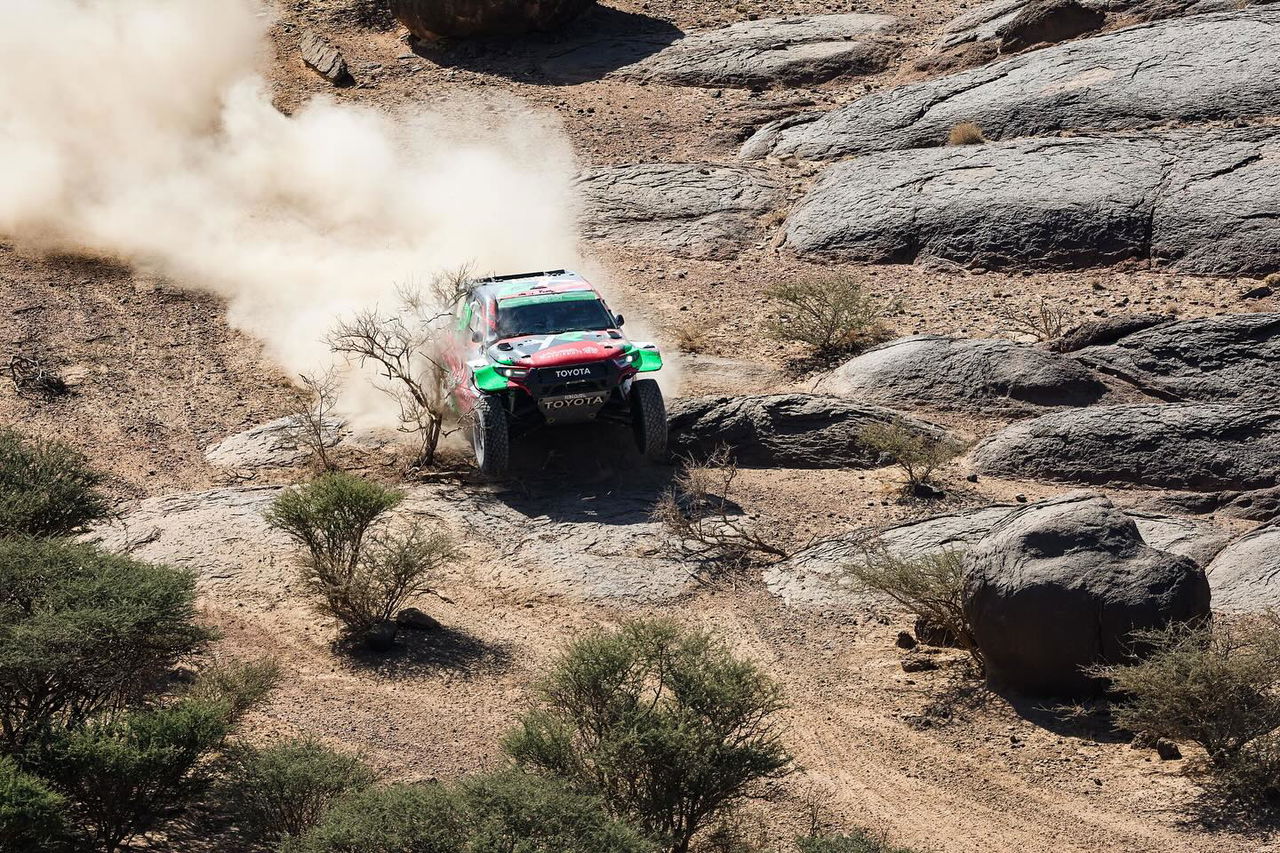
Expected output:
(629, 358)
(511, 372)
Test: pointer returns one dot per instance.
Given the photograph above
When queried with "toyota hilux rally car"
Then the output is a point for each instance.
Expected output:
(542, 349)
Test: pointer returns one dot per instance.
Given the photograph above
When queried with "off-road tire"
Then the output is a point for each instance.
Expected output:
(649, 419)
(490, 436)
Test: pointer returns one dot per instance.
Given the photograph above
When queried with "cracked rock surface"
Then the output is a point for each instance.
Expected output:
(1203, 203)
(978, 375)
(690, 209)
(1245, 576)
(1234, 357)
(1201, 446)
(1201, 68)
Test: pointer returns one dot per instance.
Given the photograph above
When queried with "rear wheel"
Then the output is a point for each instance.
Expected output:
(649, 419)
(490, 436)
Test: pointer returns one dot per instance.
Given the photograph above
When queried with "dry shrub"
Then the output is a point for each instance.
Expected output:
(918, 454)
(930, 586)
(966, 133)
(1043, 320)
(310, 425)
(832, 315)
(691, 338)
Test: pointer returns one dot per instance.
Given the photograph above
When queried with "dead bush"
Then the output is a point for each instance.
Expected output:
(35, 374)
(832, 315)
(917, 453)
(1217, 685)
(312, 420)
(1043, 320)
(691, 338)
(966, 133)
(703, 524)
(930, 587)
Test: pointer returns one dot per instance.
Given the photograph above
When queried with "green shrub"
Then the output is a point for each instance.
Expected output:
(46, 488)
(32, 817)
(330, 517)
(394, 819)
(284, 789)
(127, 774)
(830, 314)
(83, 632)
(917, 453)
(662, 722)
(515, 812)
(857, 841)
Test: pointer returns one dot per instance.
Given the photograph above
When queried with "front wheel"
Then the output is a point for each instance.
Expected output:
(490, 437)
(649, 419)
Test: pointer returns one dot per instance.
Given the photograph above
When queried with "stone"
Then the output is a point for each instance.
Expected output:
(270, 445)
(415, 620)
(1201, 446)
(688, 209)
(975, 375)
(1231, 357)
(1245, 576)
(1106, 330)
(1167, 750)
(1061, 584)
(1204, 68)
(324, 58)
(1194, 201)
(1048, 22)
(434, 19)
(1252, 505)
(1199, 540)
(918, 663)
(784, 430)
(905, 640)
(792, 51)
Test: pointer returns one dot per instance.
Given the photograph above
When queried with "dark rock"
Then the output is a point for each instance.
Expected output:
(689, 209)
(1196, 201)
(325, 59)
(1106, 331)
(905, 640)
(1203, 68)
(1255, 505)
(927, 491)
(415, 620)
(918, 663)
(1143, 740)
(1167, 750)
(791, 430)
(795, 51)
(1206, 446)
(433, 19)
(382, 636)
(1260, 292)
(1232, 357)
(974, 375)
(1048, 21)
(1245, 576)
(1061, 584)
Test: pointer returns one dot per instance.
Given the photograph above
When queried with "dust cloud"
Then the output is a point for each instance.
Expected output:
(141, 130)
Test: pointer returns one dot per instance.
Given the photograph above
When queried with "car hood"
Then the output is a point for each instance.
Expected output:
(558, 349)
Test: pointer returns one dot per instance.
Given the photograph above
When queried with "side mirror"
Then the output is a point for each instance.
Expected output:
(617, 318)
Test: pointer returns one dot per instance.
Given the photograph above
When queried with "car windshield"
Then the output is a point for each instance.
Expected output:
(548, 318)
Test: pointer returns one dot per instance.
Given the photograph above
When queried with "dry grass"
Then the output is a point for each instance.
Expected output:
(966, 133)
(691, 338)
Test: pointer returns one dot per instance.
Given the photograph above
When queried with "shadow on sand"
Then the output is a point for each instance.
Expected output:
(424, 652)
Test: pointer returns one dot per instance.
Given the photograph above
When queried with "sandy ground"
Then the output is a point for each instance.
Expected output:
(929, 758)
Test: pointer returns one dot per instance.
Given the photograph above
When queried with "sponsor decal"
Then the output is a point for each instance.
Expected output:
(573, 402)
(573, 371)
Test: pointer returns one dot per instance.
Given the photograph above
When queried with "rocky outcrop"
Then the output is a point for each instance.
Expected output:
(1207, 446)
(976, 375)
(274, 444)
(691, 209)
(1062, 584)
(796, 51)
(1186, 537)
(1199, 202)
(1232, 357)
(433, 19)
(325, 59)
(1106, 330)
(1201, 68)
(1245, 576)
(786, 430)
(1047, 22)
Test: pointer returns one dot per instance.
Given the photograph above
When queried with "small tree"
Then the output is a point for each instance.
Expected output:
(46, 488)
(283, 790)
(930, 586)
(311, 427)
(919, 454)
(33, 818)
(702, 522)
(84, 632)
(407, 346)
(832, 315)
(662, 722)
(1042, 320)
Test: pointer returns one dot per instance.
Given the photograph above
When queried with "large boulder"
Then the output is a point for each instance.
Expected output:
(1203, 68)
(1106, 330)
(1062, 584)
(1048, 22)
(1197, 201)
(1245, 576)
(693, 209)
(976, 375)
(795, 51)
(434, 19)
(1203, 446)
(274, 444)
(1233, 357)
(787, 430)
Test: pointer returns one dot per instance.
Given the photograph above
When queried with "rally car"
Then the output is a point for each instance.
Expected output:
(543, 349)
